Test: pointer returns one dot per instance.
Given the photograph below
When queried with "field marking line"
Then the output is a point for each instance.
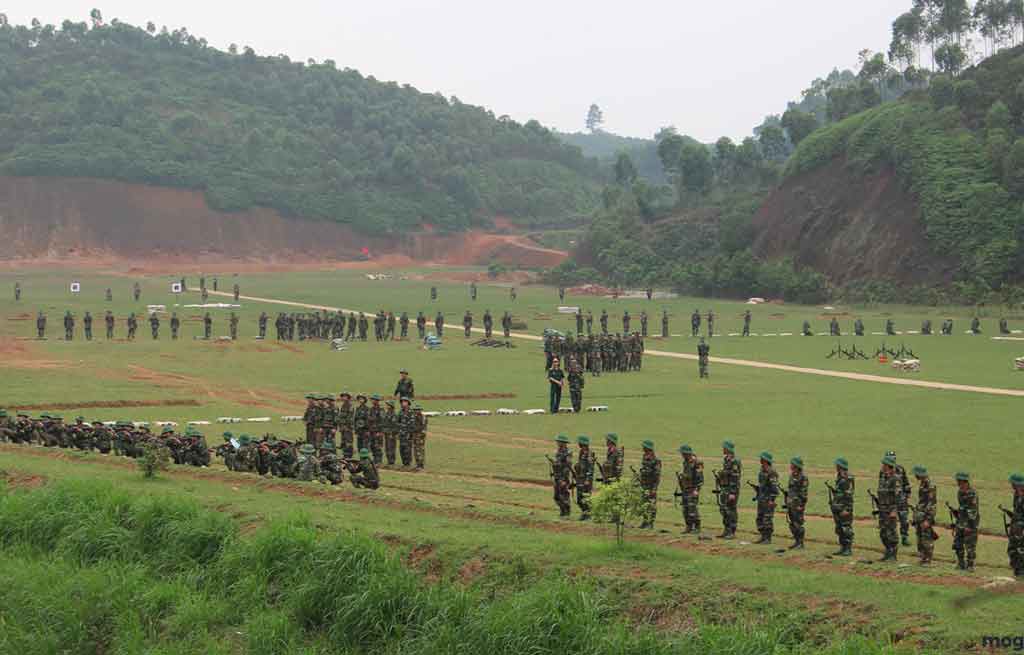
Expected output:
(865, 377)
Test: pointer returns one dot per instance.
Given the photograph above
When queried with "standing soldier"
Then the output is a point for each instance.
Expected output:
(488, 323)
(136, 291)
(924, 514)
(175, 325)
(352, 324)
(204, 294)
(109, 320)
(406, 428)
(110, 296)
(561, 294)
(154, 325)
(729, 489)
(390, 334)
(233, 326)
(746, 323)
(975, 326)
(405, 387)
(650, 292)
(590, 323)
(376, 429)
(344, 416)
(968, 517)
(87, 324)
(903, 509)
(403, 324)
(611, 472)
(650, 478)
(625, 322)
(889, 495)
(236, 290)
(604, 321)
(419, 437)
(17, 291)
(841, 506)
(643, 323)
(421, 325)
(361, 422)
(584, 477)
(556, 380)
(506, 325)
(263, 325)
(512, 294)
(439, 324)
(41, 325)
(1015, 529)
(389, 424)
(767, 491)
(207, 325)
(858, 328)
(561, 466)
(215, 282)
(69, 326)
(691, 479)
(467, 323)
(433, 293)
(579, 321)
(833, 328)
(576, 383)
(311, 417)
(796, 501)
(664, 324)
(711, 323)
(703, 353)
(472, 291)
(695, 323)
(890, 327)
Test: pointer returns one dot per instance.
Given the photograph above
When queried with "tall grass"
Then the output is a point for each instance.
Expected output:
(90, 569)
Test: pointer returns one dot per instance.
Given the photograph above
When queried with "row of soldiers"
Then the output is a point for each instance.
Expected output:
(280, 458)
(627, 321)
(336, 325)
(890, 327)
(597, 354)
(132, 325)
(891, 504)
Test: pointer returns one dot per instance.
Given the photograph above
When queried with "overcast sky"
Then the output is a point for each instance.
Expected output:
(709, 68)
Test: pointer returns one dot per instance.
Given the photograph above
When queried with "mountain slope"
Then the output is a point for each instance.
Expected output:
(120, 102)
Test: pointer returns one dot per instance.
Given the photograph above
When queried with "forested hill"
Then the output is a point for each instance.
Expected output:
(308, 139)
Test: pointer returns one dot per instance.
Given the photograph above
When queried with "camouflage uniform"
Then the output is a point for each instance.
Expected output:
(560, 468)
(345, 422)
(903, 506)
(439, 324)
(691, 479)
(360, 423)
(612, 469)
(375, 426)
(109, 320)
(419, 438)
(175, 325)
(363, 474)
(767, 492)
(330, 465)
(729, 489)
(406, 428)
(87, 325)
(405, 387)
(584, 474)
(796, 501)
(650, 478)
(154, 325)
(576, 383)
(968, 518)
(889, 495)
(389, 424)
(703, 355)
(842, 507)
(924, 514)
(1015, 542)
(309, 464)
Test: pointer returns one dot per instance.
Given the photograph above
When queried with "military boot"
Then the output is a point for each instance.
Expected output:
(797, 545)
(960, 564)
(765, 539)
(729, 534)
(890, 555)
(906, 540)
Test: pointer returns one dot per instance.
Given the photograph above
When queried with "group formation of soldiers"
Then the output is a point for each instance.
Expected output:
(597, 354)
(280, 458)
(132, 325)
(365, 424)
(891, 504)
(627, 323)
(889, 327)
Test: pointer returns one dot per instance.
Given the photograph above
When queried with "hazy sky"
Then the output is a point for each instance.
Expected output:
(710, 68)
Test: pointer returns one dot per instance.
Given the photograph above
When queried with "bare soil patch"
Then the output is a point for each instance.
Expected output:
(98, 404)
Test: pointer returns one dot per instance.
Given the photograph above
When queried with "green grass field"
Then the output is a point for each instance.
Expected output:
(484, 500)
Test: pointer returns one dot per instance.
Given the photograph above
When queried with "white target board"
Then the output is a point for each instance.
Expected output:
(76, 287)
(175, 287)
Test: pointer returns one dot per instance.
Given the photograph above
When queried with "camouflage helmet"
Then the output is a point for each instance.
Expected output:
(920, 471)
(729, 446)
(889, 460)
(562, 439)
(307, 449)
(583, 440)
(647, 444)
(611, 437)
(685, 449)
(797, 462)
(962, 476)
(364, 453)
(767, 457)
(244, 440)
(1017, 479)
(842, 463)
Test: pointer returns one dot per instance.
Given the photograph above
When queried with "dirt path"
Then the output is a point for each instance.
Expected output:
(864, 377)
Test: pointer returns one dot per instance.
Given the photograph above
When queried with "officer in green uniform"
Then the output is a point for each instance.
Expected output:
(889, 494)
(691, 479)
(344, 421)
(404, 388)
(611, 472)
(363, 474)
(389, 424)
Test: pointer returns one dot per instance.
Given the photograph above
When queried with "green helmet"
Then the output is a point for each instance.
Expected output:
(612, 437)
(228, 435)
(307, 449)
(842, 463)
(375, 396)
(797, 462)
(244, 440)
(685, 449)
(962, 476)
(583, 440)
(767, 457)
(920, 471)
(729, 446)
(562, 439)
(3, 413)
(364, 453)
(168, 428)
(647, 444)
(889, 460)
(1017, 479)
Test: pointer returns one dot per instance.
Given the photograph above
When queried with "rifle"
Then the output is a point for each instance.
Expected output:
(551, 472)
(604, 478)
(877, 512)
(717, 491)
(954, 516)
(756, 488)
(679, 492)
(1007, 519)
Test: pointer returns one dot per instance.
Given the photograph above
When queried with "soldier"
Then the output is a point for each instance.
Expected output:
(344, 416)
(101, 438)
(7, 427)
(767, 491)
(746, 323)
(236, 290)
(975, 325)
(360, 422)
(375, 427)
(590, 323)
(889, 495)
(1004, 327)
(926, 327)
(711, 323)
(110, 297)
(175, 325)
(17, 291)
(703, 355)
(1015, 529)
(903, 508)
(728, 489)
(806, 330)
(488, 323)
(506, 325)
(858, 328)
(643, 323)
(560, 474)
(204, 294)
(625, 322)
(309, 464)
(154, 325)
(405, 387)
(472, 290)
(133, 325)
(579, 321)
(433, 293)
(215, 283)
(841, 505)
(833, 327)
(694, 323)
(364, 326)
(583, 472)
(467, 322)
(947, 327)
(650, 292)
(611, 472)
(390, 334)
(664, 324)
(690, 479)
(406, 423)
(233, 326)
(512, 294)
(311, 417)
(890, 327)
(363, 474)
(207, 326)
(924, 515)
(439, 324)
(796, 501)
(403, 324)
(226, 451)
(352, 324)
(136, 291)
(69, 326)
(41, 325)
(556, 380)
(389, 425)
(87, 325)
(604, 322)
(968, 518)
(576, 383)
(108, 319)
(650, 478)
(421, 325)
(330, 466)
(263, 325)
(419, 437)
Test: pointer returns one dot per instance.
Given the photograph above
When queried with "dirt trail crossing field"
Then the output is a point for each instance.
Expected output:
(865, 377)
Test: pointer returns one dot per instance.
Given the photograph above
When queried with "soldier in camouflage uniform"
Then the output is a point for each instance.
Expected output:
(611, 471)
(389, 425)
(604, 322)
(406, 428)
(890, 327)
(421, 325)
(207, 326)
(584, 477)
(376, 429)
(746, 323)
(109, 321)
(175, 325)
(968, 518)
(69, 326)
(924, 514)
(703, 355)
(796, 501)
(309, 464)
(226, 451)
(903, 509)
(1015, 541)
(691, 479)
(87, 325)
(841, 505)
(576, 383)
(767, 492)
(650, 478)
(7, 427)
(263, 325)
(330, 465)
(419, 437)
(233, 326)
(361, 422)
(890, 493)
(664, 324)
(467, 323)
(344, 421)
(403, 324)
(729, 489)
(560, 475)
(858, 328)
(363, 474)
(311, 417)
(643, 323)
(488, 324)
(154, 325)
(405, 387)
(439, 324)
(101, 439)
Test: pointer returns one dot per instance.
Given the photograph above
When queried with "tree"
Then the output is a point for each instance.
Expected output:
(625, 171)
(998, 116)
(725, 158)
(3, 20)
(618, 504)
(798, 124)
(950, 58)
(773, 142)
(669, 149)
(155, 458)
(97, 18)
(695, 169)
(595, 119)
(151, 27)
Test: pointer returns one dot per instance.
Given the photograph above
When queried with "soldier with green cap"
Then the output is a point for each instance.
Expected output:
(405, 387)
(375, 426)
(311, 417)
(968, 518)
(796, 501)
(650, 478)
(7, 428)
(344, 417)
(841, 505)
(903, 509)
(361, 422)
(245, 459)
(330, 466)
(1015, 530)
(889, 494)
(583, 473)
(309, 463)
(690, 479)
(703, 355)
(389, 424)
(767, 492)
(924, 514)
(101, 440)
(729, 489)
(363, 474)
(406, 428)
(226, 451)
(561, 467)
(419, 437)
